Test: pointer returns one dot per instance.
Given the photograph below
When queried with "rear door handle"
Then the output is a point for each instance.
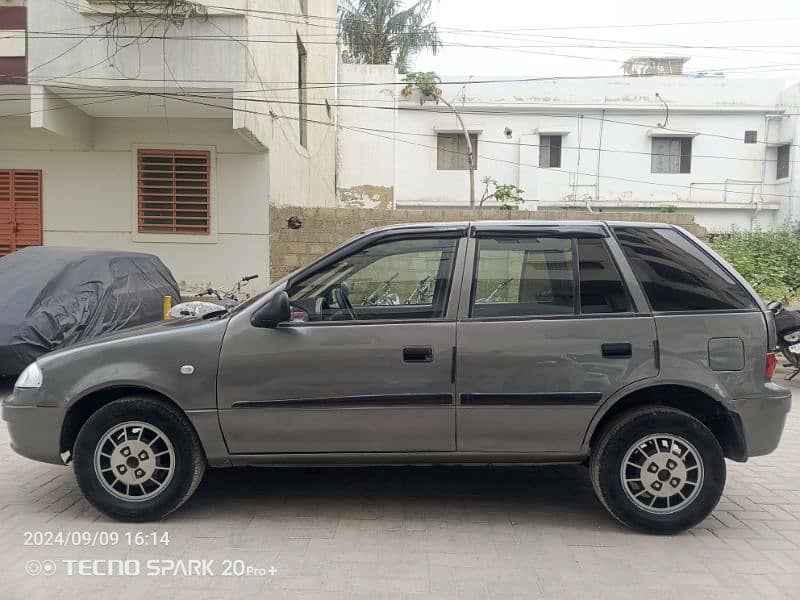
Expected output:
(622, 350)
(418, 354)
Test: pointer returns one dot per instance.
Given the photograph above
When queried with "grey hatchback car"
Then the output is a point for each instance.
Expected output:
(628, 347)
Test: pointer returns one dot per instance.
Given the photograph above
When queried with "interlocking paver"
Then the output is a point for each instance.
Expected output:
(417, 534)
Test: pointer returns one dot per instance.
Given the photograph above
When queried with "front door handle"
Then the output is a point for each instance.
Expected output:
(622, 350)
(418, 354)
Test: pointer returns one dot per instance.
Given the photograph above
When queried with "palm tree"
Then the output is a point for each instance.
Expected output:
(382, 32)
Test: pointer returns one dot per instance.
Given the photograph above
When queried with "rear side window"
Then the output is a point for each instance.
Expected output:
(602, 290)
(676, 275)
(523, 276)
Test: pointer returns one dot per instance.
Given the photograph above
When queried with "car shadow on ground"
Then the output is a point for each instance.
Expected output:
(556, 495)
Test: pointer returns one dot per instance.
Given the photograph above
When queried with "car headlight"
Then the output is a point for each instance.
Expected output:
(792, 337)
(30, 378)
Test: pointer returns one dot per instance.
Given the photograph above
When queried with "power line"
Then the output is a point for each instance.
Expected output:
(494, 159)
(464, 111)
(367, 131)
(378, 133)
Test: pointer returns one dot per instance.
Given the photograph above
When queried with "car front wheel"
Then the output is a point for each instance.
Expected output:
(138, 459)
(658, 470)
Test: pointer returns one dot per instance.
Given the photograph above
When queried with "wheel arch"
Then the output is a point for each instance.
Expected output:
(80, 410)
(724, 424)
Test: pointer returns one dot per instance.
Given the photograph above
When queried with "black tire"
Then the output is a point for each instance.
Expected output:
(621, 435)
(186, 471)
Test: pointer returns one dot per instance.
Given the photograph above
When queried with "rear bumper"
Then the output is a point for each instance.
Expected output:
(762, 418)
(34, 431)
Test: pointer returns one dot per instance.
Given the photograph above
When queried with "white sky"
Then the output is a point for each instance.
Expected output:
(777, 23)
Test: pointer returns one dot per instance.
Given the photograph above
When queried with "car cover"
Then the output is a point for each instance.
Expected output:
(53, 297)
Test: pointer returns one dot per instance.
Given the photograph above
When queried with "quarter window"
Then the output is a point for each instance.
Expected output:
(602, 290)
(671, 155)
(397, 280)
(678, 276)
(523, 276)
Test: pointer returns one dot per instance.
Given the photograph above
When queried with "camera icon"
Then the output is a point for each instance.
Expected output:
(40, 567)
(33, 568)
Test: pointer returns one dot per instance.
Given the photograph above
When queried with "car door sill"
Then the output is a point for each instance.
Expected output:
(356, 459)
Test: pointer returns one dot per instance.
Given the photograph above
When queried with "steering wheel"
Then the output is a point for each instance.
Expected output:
(343, 300)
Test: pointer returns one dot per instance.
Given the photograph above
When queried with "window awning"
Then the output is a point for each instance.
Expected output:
(471, 129)
(544, 131)
(661, 132)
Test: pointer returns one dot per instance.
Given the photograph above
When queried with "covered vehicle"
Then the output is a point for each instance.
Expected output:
(52, 297)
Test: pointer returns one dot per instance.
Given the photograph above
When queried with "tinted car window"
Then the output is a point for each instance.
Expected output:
(401, 279)
(676, 275)
(602, 290)
(523, 276)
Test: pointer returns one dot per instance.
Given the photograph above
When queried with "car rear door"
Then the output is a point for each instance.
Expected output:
(547, 330)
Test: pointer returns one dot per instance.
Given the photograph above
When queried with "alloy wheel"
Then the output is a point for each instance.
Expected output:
(134, 461)
(662, 473)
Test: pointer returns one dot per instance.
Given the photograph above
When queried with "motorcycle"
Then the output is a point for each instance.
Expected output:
(382, 296)
(225, 301)
(495, 295)
(423, 293)
(787, 325)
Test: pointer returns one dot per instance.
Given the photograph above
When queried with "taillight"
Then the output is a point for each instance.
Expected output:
(769, 369)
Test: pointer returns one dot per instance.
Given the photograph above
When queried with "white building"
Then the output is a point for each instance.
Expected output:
(168, 134)
(721, 149)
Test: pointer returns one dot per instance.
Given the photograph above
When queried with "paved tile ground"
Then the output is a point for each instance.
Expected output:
(421, 533)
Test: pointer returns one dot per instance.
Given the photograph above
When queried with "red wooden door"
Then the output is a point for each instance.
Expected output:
(20, 210)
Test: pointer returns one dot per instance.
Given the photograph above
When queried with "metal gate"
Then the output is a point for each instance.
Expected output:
(20, 210)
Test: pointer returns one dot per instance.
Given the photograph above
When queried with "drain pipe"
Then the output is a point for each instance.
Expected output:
(599, 155)
(760, 202)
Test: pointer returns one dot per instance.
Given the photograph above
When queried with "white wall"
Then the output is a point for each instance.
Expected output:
(728, 184)
(89, 197)
(359, 152)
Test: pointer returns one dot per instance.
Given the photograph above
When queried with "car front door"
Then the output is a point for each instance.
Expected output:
(366, 363)
(547, 330)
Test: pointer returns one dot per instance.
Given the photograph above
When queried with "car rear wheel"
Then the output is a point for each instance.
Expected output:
(138, 459)
(658, 469)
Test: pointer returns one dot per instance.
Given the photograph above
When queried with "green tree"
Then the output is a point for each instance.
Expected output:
(509, 196)
(382, 32)
(769, 260)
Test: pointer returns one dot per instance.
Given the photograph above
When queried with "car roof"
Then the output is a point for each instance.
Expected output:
(511, 223)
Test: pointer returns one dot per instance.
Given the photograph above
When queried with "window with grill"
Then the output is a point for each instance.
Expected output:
(671, 155)
(751, 136)
(782, 170)
(174, 191)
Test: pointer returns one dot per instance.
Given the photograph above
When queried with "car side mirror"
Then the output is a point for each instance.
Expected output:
(277, 310)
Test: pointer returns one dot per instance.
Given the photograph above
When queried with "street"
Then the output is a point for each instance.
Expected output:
(399, 533)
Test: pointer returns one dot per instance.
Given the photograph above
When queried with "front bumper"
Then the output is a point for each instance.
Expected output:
(34, 430)
(762, 418)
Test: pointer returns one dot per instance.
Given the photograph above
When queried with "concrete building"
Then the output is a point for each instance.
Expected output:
(719, 148)
(167, 128)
